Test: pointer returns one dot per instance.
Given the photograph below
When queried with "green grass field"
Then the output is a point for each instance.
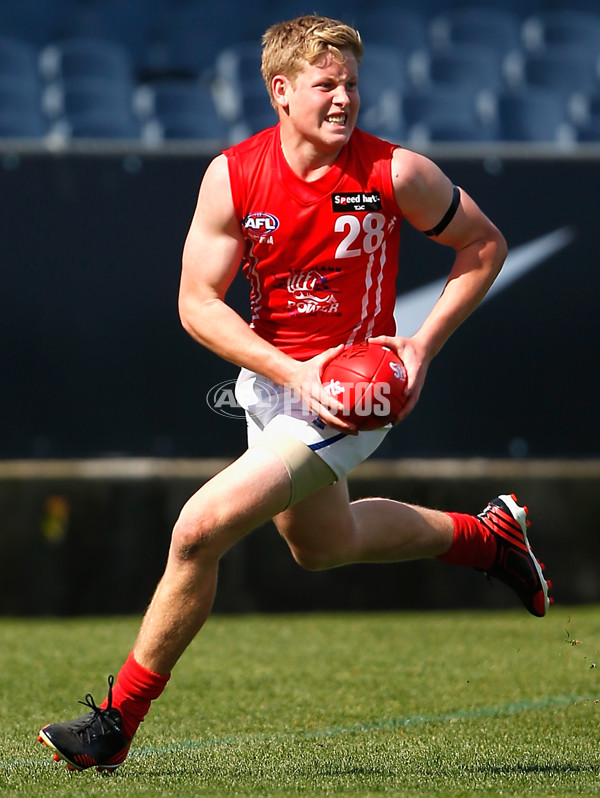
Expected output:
(416, 704)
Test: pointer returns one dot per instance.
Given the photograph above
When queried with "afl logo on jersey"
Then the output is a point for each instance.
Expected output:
(260, 224)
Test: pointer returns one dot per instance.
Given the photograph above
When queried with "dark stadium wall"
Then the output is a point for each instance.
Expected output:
(94, 361)
(95, 364)
(62, 533)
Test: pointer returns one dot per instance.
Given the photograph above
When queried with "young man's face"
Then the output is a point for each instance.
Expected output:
(322, 102)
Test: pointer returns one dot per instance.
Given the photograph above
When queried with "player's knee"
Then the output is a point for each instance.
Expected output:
(196, 533)
(315, 560)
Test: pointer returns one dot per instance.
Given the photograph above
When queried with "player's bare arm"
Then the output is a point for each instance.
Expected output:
(211, 257)
(425, 195)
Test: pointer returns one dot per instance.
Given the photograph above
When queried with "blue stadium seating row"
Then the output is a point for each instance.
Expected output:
(434, 70)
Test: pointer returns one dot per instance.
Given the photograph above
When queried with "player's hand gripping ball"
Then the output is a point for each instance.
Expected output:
(370, 381)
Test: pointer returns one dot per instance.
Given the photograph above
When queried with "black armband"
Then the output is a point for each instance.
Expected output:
(448, 216)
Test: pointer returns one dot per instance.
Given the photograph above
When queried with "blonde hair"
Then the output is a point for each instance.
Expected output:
(289, 46)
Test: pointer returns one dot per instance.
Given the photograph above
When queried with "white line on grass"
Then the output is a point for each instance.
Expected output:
(383, 724)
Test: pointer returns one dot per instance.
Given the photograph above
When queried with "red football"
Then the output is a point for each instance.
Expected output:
(370, 381)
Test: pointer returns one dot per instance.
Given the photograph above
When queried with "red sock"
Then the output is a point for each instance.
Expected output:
(135, 689)
(473, 544)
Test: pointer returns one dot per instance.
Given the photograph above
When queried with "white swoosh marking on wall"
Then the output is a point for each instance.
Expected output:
(412, 307)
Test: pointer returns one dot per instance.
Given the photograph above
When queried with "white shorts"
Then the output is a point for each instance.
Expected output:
(270, 405)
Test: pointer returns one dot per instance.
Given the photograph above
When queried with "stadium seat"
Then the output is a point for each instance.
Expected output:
(18, 60)
(18, 94)
(532, 115)
(180, 109)
(428, 9)
(37, 22)
(553, 45)
(522, 8)
(194, 35)
(563, 69)
(277, 10)
(254, 110)
(403, 30)
(238, 62)
(384, 66)
(99, 125)
(435, 106)
(237, 76)
(493, 28)
(472, 66)
(20, 108)
(85, 58)
(184, 52)
(253, 122)
(130, 24)
(254, 98)
(451, 131)
(77, 97)
(384, 119)
(562, 27)
(191, 126)
(590, 6)
(584, 114)
(382, 79)
(22, 125)
(196, 32)
(589, 132)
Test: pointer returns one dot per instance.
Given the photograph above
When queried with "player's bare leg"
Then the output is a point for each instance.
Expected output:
(234, 502)
(326, 530)
(230, 505)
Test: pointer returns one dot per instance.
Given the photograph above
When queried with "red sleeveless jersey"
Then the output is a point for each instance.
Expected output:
(321, 257)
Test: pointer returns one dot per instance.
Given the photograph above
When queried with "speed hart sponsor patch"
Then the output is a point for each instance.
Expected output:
(357, 201)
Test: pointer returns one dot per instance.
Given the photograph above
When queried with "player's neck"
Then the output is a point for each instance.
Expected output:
(306, 160)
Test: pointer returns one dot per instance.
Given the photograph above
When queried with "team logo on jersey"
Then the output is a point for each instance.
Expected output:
(260, 226)
(309, 293)
(357, 201)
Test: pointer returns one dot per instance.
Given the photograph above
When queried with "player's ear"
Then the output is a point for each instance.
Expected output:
(280, 85)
